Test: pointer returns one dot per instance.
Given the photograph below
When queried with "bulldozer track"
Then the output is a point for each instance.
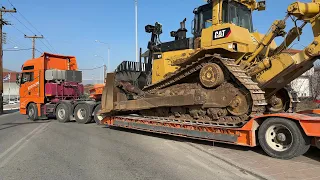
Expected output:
(257, 98)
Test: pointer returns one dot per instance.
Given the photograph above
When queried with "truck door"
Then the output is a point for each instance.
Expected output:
(29, 86)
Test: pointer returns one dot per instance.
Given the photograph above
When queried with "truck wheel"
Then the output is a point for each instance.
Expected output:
(82, 114)
(282, 138)
(96, 117)
(63, 113)
(32, 112)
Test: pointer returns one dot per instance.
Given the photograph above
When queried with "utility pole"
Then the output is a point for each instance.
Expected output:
(104, 73)
(108, 63)
(2, 23)
(136, 22)
(34, 43)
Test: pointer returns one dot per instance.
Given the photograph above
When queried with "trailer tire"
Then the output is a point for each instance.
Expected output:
(282, 138)
(82, 114)
(32, 112)
(63, 113)
(96, 117)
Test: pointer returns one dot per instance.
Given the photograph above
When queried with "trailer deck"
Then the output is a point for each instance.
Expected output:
(245, 135)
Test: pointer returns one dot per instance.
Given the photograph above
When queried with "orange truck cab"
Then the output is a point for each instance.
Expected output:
(50, 85)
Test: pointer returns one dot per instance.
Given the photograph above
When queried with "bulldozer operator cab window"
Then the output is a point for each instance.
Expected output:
(232, 12)
(27, 77)
(239, 15)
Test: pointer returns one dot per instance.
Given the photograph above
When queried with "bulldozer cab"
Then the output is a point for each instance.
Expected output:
(232, 12)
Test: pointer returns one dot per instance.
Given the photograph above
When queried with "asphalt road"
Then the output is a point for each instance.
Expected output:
(50, 150)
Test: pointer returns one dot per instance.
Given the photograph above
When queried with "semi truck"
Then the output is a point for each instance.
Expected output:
(50, 86)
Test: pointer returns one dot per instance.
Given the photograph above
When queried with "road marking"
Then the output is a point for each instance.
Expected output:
(22, 142)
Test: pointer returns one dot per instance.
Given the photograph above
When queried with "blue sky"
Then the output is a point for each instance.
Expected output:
(72, 26)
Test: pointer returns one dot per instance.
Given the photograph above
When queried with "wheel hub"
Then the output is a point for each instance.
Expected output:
(31, 112)
(279, 137)
(61, 113)
(81, 113)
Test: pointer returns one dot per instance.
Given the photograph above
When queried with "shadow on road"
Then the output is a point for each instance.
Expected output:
(13, 124)
(163, 136)
(313, 153)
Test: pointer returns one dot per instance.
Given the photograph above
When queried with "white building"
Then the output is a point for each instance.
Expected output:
(302, 84)
(9, 85)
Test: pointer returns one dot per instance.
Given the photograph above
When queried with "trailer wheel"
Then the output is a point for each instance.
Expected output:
(82, 114)
(63, 113)
(96, 117)
(32, 112)
(282, 138)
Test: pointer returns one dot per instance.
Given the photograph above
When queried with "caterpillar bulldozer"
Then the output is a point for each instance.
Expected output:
(221, 80)
(225, 73)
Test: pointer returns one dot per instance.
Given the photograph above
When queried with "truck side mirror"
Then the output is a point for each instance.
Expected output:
(18, 79)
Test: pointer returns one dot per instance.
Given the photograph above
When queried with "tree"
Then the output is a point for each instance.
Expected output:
(315, 85)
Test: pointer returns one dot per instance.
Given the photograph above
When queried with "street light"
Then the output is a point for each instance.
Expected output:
(108, 63)
(104, 67)
(15, 48)
(136, 24)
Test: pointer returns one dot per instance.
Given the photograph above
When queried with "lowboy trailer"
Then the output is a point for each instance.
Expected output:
(289, 131)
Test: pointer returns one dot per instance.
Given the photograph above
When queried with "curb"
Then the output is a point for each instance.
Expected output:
(232, 163)
(8, 109)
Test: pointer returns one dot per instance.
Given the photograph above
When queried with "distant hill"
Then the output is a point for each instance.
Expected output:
(7, 70)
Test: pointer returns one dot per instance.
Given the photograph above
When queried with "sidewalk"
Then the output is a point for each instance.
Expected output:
(257, 162)
(10, 108)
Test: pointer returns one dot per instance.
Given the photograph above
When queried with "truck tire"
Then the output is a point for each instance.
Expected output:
(95, 116)
(82, 114)
(32, 112)
(282, 138)
(63, 113)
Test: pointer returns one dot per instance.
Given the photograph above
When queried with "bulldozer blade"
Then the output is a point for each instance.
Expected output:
(109, 94)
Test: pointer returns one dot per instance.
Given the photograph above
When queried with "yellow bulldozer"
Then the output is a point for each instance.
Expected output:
(226, 73)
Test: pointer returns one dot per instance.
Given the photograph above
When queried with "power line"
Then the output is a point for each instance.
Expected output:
(31, 32)
(25, 18)
(50, 45)
(41, 49)
(17, 29)
(92, 68)
(15, 43)
(53, 49)
(22, 24)
(45, 44)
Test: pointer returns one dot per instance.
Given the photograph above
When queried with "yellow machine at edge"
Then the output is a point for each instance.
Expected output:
(225, 73)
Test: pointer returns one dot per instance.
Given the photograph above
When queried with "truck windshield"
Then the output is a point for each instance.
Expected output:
(26, 77)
